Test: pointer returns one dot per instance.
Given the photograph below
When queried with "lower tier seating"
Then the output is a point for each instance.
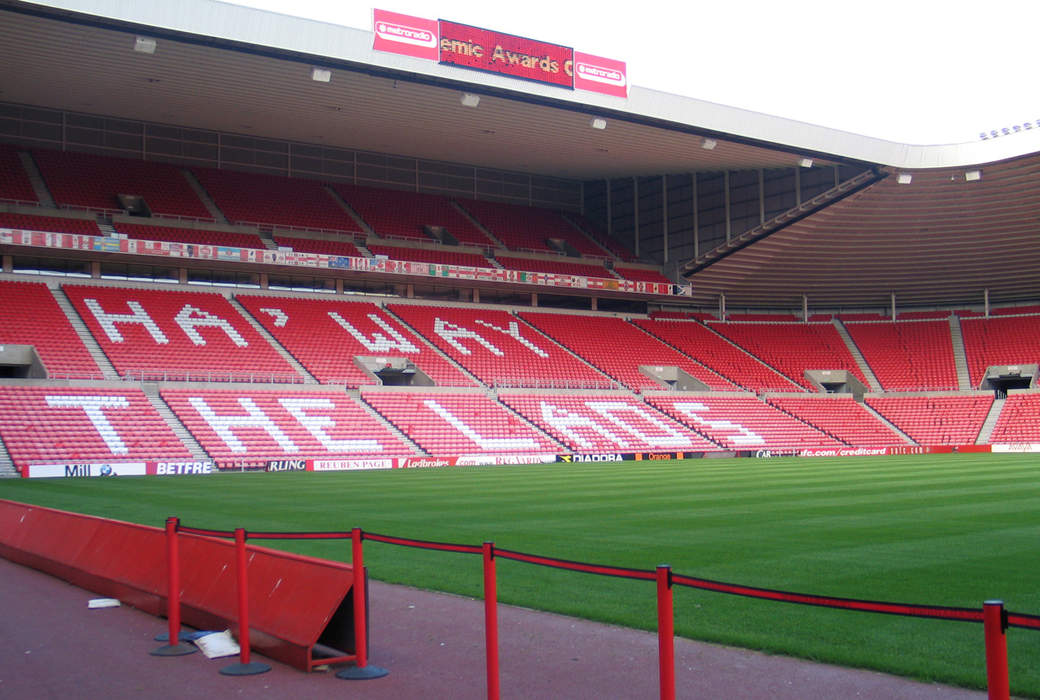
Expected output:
(1019, 420)
(67, 425)
(840, 416)
(935, 420)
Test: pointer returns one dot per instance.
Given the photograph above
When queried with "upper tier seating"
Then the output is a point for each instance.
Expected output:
(908, 355)
(719, 354)
(154, 334)
(51, 224)
(792, 348)
(319, 246)
(32, 317)
(1009, 310)
(563, 266)
(529, 228)
(619, 349)
(742, 422)
(398, 214)
(95, 182)
(261, 425)
(66, 425)
(935, 420)
(620, 251)
(1000, 341)
(444, 256)
(325, 335)
(253, 198)
(1019, 420)
(145, 232)
(606, 423)
(446, 424)
(14, 181)
(639, 274)
(499, 349)
(841, 416)
(765, 318)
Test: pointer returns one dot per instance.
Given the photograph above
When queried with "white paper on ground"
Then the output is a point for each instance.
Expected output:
(218, 644)
(103, 603)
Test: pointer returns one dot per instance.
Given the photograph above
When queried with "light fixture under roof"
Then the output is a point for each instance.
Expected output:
(144, 44)
(973, 175)
(904, 178)
(598, 123)
(321, 75)
(805, 162)
(709, 144)
(470, 100)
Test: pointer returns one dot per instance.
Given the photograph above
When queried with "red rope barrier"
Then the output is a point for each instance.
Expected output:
(577, 565)
(423, 544)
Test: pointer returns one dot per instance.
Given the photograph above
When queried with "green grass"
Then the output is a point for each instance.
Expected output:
(941, 530)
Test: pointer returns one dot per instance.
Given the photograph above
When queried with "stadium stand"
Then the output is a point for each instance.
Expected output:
(619, 349)
(840, 416)
(319, 246)
(557, 267)
(908, 355)
(443, 256)
(765, 318)
(499, 349)
(1019, 420)
(935, 420)
(68, 425)
(530, 228)
(458, 423)
(147, 232)
(53, 224)
(718, 354)
(95, 182)
(159, 334)
(325, 335)
(244, 425)
(255, 198)
(398, 214)
(792, 348)
(639, 274)
(620, 251)
(742, 422)
(1016, 310)
(605, 423)
(15, 185)
(1007, 340)
(32, 317)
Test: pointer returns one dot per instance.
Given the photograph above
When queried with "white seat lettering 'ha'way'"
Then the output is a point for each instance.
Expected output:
(94, 407)
(378, 343)
(489, 444)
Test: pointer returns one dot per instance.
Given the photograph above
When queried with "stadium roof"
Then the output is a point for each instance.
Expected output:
(238, 70)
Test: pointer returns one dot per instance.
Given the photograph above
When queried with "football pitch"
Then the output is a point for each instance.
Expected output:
(951, 530)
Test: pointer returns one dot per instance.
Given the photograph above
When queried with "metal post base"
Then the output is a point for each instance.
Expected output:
(182, 636)
(361, 673)
(250, 669)
(179, 649)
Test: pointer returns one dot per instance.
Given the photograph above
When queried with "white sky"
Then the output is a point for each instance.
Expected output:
(912, 71)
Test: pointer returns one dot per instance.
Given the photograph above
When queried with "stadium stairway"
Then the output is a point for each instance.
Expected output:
(151, 391)
(107, 369)
(36, 180)
(868, 373)
(754, 357)
(342, 203)
(7, 470)
(308, 378)
(895, 428)
(619, 386)
(512, 411)
(370, 410)
(986, 433)
(389, 312)
(483, 229)
(203, 195)
(960, 358)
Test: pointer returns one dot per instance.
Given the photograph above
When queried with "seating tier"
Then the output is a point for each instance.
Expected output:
(32, 317)
(500, 349)
(908, 355)
(999, 341)
(319, 246)
(446, 424)
(146, 232)
(14, 181)
(325, 335)
(65, 425)
(529, 228)
(606, 423)
(935, 420)
(427, 255)
(563, 266)
(840, 416)
(155, 334)
(638, 274)
(619, 348)
(1019, 420)
(263, 425)
(742, 422)
(52, 224)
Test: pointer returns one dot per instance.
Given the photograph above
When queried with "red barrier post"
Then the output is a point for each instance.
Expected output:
(360, 670)
(244, 667)
(491, 620)
(665, 632)
(995, 624)
(174, 645)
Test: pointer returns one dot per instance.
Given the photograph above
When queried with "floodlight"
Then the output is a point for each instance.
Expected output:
(321, 75)
(805, 162)
(709, 144)
(470, 100)
(598, 123)
(143, 44)
(973, 175)
(904, 178)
